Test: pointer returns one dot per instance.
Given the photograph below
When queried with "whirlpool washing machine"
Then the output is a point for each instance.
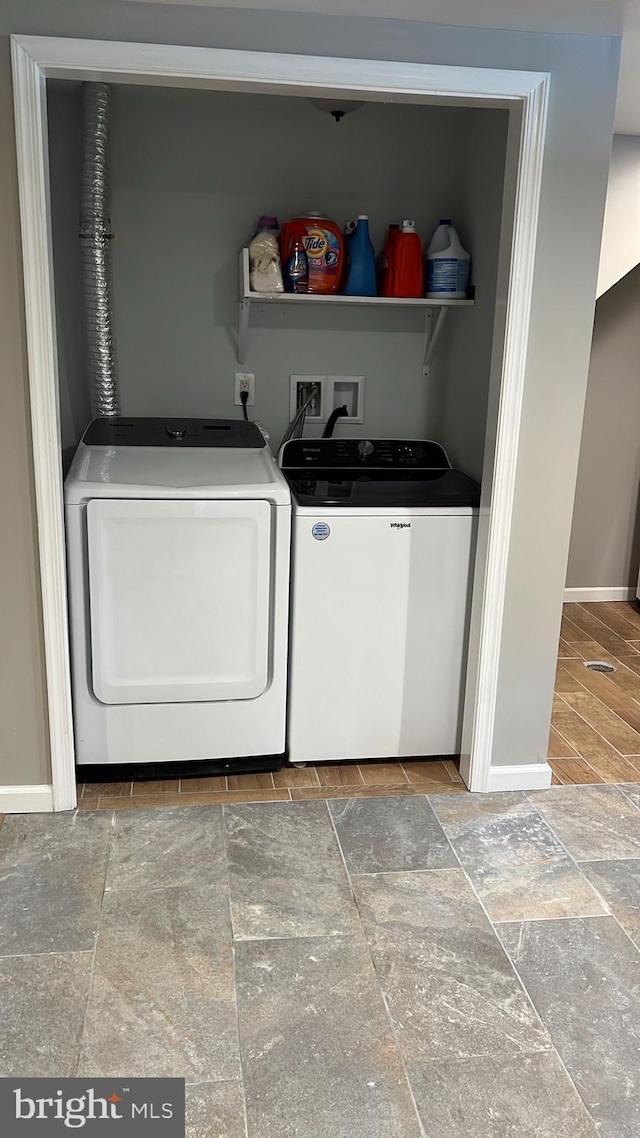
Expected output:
(178, 539)
(383, 545)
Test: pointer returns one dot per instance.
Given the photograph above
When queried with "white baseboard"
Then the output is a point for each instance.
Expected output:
(530, 776)
(599, 593)
(26, 799)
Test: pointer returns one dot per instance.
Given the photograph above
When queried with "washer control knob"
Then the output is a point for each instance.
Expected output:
(365, 448)
(175, 432)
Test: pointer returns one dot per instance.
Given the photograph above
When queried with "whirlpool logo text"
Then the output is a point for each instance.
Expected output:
(400, 525)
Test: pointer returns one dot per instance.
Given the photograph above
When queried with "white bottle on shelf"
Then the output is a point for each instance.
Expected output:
(448, 265)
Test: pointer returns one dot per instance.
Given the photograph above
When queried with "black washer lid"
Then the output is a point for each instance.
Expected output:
(173, 432)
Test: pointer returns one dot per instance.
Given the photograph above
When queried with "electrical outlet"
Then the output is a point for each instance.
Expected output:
(244, 381)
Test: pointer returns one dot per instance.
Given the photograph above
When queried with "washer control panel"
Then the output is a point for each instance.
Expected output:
(377, 454)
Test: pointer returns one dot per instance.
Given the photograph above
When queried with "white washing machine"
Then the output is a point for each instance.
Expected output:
(178, 540)
(383, 544)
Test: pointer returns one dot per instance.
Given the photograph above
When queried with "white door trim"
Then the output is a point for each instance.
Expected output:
(477, 768)
(34, 59)
(35, 214)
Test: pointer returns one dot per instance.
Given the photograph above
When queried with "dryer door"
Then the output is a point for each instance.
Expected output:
(180, 599)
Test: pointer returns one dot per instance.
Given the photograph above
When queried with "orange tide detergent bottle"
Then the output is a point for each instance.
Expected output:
(324, 245)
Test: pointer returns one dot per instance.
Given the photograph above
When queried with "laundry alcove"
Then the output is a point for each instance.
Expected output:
(191, 172)
(483, 93)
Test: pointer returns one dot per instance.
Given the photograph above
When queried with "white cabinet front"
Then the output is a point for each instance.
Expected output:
(378, 635)
(180, 599)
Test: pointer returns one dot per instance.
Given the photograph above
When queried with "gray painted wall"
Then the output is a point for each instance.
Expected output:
(192, 170)
(583, 82)
(462, 392)
(620, 250)
(24, 751)
(577, 152)
(64, 112)
(605, 537)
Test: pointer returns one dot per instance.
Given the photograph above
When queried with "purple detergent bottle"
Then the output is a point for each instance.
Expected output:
(296, 273)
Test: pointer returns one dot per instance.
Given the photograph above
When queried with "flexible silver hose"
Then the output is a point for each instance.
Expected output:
(95, 237)
(297, 423)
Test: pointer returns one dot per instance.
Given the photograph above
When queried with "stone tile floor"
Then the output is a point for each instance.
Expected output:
(450, 965)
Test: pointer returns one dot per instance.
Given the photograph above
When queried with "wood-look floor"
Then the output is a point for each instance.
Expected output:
(327, 780)
(595, 735)
(595, 732)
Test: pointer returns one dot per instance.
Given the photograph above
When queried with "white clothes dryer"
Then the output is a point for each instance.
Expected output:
(178, 538)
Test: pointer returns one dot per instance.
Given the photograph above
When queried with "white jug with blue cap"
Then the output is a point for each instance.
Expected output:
(448, 265)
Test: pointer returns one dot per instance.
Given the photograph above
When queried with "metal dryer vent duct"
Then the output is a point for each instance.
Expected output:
(95, 237)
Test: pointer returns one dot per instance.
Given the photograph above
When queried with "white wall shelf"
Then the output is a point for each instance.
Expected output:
(433, 327)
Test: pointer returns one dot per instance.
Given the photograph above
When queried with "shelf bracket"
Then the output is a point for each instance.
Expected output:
(432, 331)
(243, 329)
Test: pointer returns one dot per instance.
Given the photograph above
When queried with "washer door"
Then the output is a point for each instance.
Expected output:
(180, 599)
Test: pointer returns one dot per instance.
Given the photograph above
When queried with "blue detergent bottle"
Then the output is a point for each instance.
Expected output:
(361, 279)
